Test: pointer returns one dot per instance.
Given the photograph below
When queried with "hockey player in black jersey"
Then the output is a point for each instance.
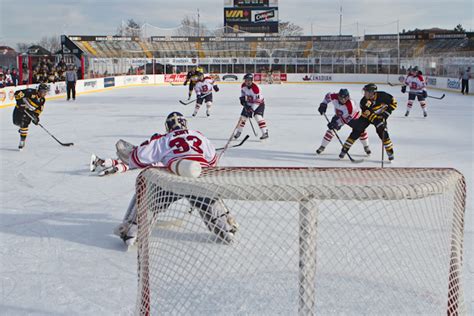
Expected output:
(192, 77)
(376, 107)
(29, 105)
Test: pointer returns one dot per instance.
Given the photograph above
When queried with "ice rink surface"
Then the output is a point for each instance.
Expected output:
(58, 255)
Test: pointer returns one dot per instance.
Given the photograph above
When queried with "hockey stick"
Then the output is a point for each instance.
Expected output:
(429, 96)
(193, 100)
(229, 140)
(340, 141)
(39, 124)
(253, 128)
(237, 145)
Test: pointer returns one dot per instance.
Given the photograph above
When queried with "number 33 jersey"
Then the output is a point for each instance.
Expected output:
(176, 145)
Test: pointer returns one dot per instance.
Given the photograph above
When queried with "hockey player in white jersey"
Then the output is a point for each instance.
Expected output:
(346, 111)
(179, 143)
(417, 85)
(252, 100)
(203, 89)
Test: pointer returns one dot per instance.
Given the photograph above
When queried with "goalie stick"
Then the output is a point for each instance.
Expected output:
(340, 141)
(39, 124)
(193, 100)
(236, 145)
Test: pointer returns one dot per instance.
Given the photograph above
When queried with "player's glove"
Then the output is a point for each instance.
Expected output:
(334, 124)
(322, 108)
(242, 101)
(404, 89)
(424, 94)
(249, 110)
(185, 83)
(216, 88)
(34, 118)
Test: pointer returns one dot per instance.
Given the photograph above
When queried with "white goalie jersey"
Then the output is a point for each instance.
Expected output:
(176, 145)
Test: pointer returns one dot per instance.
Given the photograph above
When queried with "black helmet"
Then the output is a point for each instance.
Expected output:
(248, 77)
(175, 121)
(371, 87)
(42, 87)
(343, 93)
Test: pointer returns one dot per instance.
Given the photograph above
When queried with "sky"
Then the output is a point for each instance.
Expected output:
(317, 17)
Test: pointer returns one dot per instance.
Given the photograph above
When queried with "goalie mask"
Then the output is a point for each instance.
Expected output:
(175, 121)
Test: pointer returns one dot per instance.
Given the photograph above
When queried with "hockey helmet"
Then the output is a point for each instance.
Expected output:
(42, 87)
(343, 94)
(175, 121)
(248, 77)
(370, 87)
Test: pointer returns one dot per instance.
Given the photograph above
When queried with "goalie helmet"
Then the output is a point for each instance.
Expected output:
(175, 121)
(248, 77)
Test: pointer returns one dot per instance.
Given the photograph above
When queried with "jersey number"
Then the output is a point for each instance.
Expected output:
(204, 88)
(182, 145)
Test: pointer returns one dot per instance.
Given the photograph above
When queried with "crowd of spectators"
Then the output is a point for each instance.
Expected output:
(46, 72)
(9, 77)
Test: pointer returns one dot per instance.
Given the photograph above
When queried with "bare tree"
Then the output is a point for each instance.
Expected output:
(50, 43)
(22, 47)
(190, 27)
(130, 28)
(289, 29)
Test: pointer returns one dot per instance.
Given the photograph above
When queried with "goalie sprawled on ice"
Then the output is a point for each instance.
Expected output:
(180, 150)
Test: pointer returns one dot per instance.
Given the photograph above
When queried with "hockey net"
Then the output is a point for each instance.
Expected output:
(310, 240)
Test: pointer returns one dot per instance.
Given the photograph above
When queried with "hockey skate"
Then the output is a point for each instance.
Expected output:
(93, 163)
(21, 145)
(208, 113)
(407, 113)
(320, 149)
(107, 171)
(390, 155)
(194, 114)
(127, 232)
(425, 114)
(367, 150)
(343, 153)
(264, 136)
(237, 134)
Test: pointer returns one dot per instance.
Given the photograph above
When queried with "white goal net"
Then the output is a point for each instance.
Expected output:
(309, 241)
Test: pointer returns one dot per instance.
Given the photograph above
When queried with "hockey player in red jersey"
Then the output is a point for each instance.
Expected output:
(203, 89)
(252, 100)
(161, 149)
(417, 85)
(346, 111)
(178, 144)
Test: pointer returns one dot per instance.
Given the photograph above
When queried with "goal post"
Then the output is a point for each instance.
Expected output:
(309, 241)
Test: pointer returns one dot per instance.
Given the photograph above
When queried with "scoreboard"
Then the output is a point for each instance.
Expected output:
(253, 16)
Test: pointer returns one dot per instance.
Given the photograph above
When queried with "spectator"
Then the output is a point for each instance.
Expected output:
(15, 77)
(71, 78)
(26, 74)
(8, 78)
(2, 82)
(465, 76)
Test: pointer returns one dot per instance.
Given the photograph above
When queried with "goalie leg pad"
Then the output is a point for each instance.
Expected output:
(216, 217)
(124, 149)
